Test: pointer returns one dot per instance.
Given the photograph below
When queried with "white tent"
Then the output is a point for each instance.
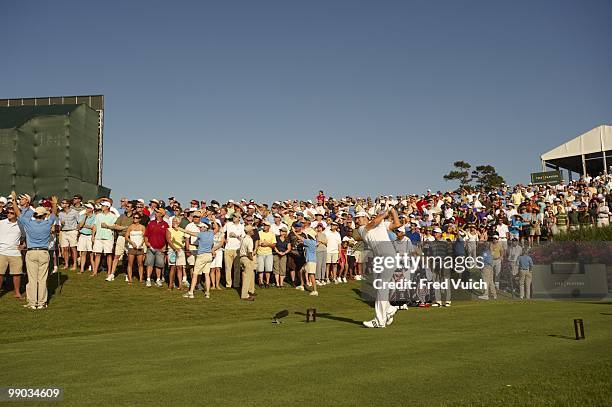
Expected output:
(589, 153)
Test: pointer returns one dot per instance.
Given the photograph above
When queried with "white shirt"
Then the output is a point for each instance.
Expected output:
(10, 235)
(192, 227)
(276, 228)
(233, 243)
(378, 240)
(333, 241)
(502, 230)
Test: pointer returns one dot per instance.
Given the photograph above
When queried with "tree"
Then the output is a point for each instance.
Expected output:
(461, 173)
(485, 176)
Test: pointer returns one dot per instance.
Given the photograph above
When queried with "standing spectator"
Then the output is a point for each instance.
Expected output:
(215, 268)
(440, 249)
(281, 250)
(155, 238)
(103, 236)
(487, 273)
(120, 226)
(603, 213)
(37, 227)
(265, 261)
(247, 261)
(10, 250)
(234, 231)
(85, 242)
(321, 255)
(69, 220)
(176, 255)
(134, 236)
(525, 265)
(333, 249)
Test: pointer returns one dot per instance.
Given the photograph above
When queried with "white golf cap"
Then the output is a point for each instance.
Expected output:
(437, 230)
(3, 200)
(105, 203)
(361, 214)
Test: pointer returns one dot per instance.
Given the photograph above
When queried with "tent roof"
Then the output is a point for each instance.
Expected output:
(11, 117)
(593, 141)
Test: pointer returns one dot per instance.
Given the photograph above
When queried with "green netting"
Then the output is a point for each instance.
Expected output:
(53, 150)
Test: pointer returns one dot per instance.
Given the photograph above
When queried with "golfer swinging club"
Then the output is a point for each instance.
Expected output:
(375, 233)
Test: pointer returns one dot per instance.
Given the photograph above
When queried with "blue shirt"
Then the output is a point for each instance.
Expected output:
(310, 250)
(487, 259)
(205, 241)
(37, 232)
(415, 237)
(525, 262)
(89, 221)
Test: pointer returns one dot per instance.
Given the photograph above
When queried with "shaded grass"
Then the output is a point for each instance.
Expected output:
(109, 343)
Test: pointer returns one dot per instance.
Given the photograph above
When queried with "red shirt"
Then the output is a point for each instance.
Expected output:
(156, 234)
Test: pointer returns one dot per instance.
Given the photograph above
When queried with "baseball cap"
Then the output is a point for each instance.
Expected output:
(161, 210)
(361, 214)
(298, 224)
(105, 203)
(26, 196)
(204, 225)
(154, 200)
(3, 200)
(197, 213)
(437, 230)
(41, 211)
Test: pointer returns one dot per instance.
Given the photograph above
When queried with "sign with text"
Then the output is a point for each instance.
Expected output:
(548, 177)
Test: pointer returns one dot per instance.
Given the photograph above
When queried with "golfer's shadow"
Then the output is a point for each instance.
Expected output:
(333, 317)
(364, 297)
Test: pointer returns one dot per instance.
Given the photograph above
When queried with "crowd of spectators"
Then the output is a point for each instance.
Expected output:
(242, 244)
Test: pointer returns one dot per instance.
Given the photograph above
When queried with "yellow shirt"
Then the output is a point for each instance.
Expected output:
(177, 237)
(266, 237)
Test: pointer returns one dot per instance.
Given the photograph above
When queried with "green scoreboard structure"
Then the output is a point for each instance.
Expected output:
(52, 146)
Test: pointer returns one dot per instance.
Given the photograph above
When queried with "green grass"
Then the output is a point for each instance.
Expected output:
(113, 344)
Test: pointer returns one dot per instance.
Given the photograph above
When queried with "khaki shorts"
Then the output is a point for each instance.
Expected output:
(103, 246)
(68, 238)
(13, 263)
(202, 264)
(331, 258)
(358, 256)
(85, 244)
(311, 268)
(120, 247)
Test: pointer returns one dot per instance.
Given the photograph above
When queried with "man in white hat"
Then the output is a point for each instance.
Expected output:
(85, 242)
(103, 237)
(375, 233)
(37, 226)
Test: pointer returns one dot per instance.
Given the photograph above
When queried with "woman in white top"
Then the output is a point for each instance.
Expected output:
(215, 267)
(134, 235)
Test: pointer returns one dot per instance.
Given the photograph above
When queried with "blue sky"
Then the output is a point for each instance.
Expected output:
(278, 99)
